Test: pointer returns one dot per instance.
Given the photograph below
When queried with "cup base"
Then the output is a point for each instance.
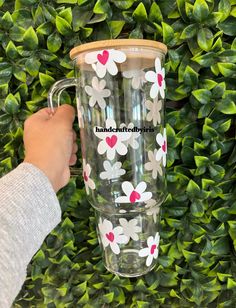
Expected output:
(129, 265)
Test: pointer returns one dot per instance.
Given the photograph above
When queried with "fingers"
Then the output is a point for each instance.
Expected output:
(73, 160)
(65, 114)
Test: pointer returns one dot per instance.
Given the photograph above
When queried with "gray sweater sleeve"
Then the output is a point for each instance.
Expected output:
(29, 210)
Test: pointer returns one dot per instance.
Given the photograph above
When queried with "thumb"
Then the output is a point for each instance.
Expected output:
(65, 114)
(43, 114)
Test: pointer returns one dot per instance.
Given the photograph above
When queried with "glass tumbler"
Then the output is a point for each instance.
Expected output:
(120, 91)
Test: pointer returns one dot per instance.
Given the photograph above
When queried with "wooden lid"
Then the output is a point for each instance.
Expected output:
(117, 43)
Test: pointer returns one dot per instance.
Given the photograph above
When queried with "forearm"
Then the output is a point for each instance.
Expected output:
(29, 210)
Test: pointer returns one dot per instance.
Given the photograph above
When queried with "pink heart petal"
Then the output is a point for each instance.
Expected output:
(110, 236)
(153, 248)
(134, 196)
(103, 58)
(159, 79)
(111, 141)
(164, 147)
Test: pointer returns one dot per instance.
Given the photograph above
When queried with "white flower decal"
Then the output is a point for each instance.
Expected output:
(112, 171)
(158, 80)
(138, 78)
(154, 113)
(111, 236)
(112, 142)
(151, 252)
(152, 209)
(153, 165)
(130, 228)
(134, 135)
(97, 92)
(162, 141)
(89, 183)
(134, 195)
(105, 60)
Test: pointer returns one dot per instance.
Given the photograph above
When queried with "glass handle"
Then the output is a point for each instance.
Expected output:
(54, 95)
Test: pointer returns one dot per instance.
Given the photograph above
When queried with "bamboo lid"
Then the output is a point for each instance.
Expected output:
(88, 47)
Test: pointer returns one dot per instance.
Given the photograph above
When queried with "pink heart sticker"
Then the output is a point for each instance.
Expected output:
(153, 247)
(111, 141)
(103, 58)
(159, 79)
(134, 196)
(110, 236)
(164, 147)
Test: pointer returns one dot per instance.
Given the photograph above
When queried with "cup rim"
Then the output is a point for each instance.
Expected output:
(74, 53)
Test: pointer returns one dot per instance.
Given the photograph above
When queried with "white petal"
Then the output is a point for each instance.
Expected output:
(160, 140)
(88, 90)
(121, 148)
(127, 188)
(112, 68)
(164, 159)
(91, 183)
(118, 56)
(143, 252)
(87, 169)
(115, 248)
(145, 196)
(141, 187)
(105, 241)
(102, 84)
(107, 165)
(122, 199)
(155, 255)
(150, 241)
(122, 239)
(102, 147)
(102, 103)
(136, 82)
(158, 65)
(149, 260)
(129, 74)
(154, 90)
(151, 76)
(148, 166)
(111, 153)
(124, 135)
(134, 236)
(91, 57)
(162, 92)
(100, 70)
(123, 222)
(110, 123)
(95, 83)
(149, 105)
(105, 93)
(149, 116)
(105, 175)
(154, 174)
(117, 230)
(100, 135)
(92, 101)
(157, 238)
(117, 165)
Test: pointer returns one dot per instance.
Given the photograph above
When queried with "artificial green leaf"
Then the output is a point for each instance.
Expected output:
(200, 10)
(140, 13)
(11, 104)
(63, 26)
(205, 39)
(30, 39)
(54, 42)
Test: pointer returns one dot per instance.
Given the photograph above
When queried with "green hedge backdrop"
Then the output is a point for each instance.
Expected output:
(197, 263)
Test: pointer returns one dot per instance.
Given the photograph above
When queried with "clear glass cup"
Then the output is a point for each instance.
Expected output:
(120, 90)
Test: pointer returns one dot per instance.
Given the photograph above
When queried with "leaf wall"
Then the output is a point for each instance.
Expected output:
(197, 263)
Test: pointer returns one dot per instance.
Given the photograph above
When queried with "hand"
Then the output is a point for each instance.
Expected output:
(50, 143)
